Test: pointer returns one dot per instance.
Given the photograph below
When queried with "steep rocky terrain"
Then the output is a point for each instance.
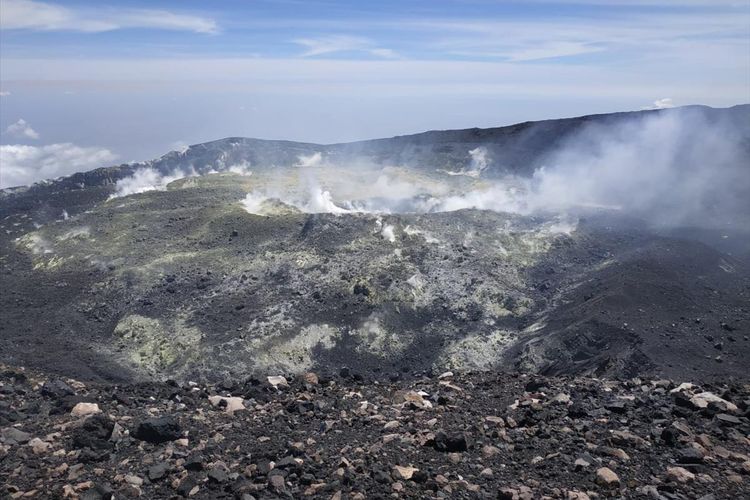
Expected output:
(244, 262)
(185, 282)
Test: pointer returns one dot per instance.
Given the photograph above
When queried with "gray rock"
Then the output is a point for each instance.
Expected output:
(11, 435)
(158, 471)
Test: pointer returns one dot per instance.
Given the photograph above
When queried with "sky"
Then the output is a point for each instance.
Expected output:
(85, 84)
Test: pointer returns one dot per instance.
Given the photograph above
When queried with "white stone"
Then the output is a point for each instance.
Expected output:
(83, 409)
(685, 386)
(404, 472)
(233, 404)
(278, 380)
(562, 398)
(134, 480)
(703, 399)
(39, 447)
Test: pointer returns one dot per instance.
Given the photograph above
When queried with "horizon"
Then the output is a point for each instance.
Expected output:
(209, 141)
(85, 85)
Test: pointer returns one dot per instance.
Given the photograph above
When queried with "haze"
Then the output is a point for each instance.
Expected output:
(87, 85)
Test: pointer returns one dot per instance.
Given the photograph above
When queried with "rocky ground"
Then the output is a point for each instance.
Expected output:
(243, 256)
(185, 283)
(429, 436)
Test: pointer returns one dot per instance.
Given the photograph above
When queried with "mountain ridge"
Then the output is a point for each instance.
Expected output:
(107, 174)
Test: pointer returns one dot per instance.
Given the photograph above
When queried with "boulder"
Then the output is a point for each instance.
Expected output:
(450, 443)
(606, 478)
(56, 389)
(94, 433)
(703, 399)
(158, 430)
(84, 409)
(680, 475)
(11, 435)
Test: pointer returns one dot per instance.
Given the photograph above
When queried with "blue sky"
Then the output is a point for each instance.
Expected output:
(123, 81)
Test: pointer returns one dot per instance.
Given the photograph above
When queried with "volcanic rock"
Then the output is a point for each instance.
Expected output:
(83, 409)
(158, 471)
(278, 381)
(267, 451)
(158, 430)
(39, 447)
(94, 433)
(230, 404)
(56, 389)
(607, 478)
(403, 472)
(680, 474)
(450, 442)
(12, 435)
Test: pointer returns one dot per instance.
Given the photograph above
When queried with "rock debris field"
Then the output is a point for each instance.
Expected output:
(343, 437)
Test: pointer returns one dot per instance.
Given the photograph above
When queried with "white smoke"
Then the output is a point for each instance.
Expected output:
(664, 103)
(312, 160)
(311, 198)
(317, 201)
(242, 168)
(147, 179)
(254, 202)
(387, 231)
(668, 168)
(480, 160)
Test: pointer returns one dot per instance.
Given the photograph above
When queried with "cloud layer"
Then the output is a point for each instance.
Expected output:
(29, 14)
(317, 72)
(24, 165)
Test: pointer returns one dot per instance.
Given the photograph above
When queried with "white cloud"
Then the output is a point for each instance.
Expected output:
(550, 50)
(29, 14)
(22, 129)
(4, 93)
(23, 165)
(675, 35)
(342, 43)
